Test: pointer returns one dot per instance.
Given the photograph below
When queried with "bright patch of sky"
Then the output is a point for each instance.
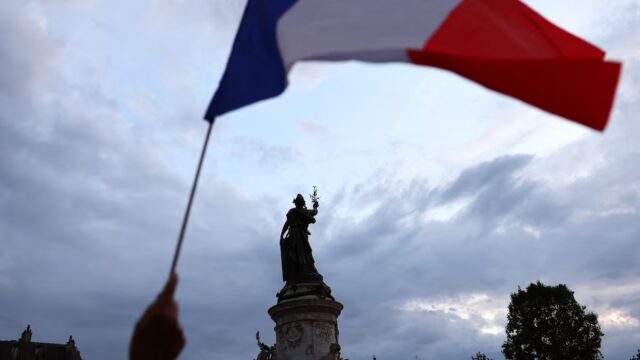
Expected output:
(484, 313)
(347, 104)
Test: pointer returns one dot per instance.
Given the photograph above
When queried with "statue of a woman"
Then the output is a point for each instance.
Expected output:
(297, 261)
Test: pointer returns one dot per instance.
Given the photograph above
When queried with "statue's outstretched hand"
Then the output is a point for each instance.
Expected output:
(158, 335)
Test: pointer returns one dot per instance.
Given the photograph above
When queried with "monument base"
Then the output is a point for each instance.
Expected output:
(304, 290)
(306, 329)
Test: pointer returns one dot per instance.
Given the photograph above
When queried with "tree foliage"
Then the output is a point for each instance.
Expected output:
(636, 356)
(480, 356)
(547, 323)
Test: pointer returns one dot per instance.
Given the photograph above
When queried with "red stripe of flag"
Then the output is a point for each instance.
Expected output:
(506, 46)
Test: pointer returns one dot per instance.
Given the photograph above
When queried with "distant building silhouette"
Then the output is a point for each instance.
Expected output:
(25, 349)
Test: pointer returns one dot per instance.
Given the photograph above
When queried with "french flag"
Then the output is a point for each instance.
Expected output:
(501, 44)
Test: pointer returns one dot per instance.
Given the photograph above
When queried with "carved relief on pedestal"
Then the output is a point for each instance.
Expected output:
(323, 332)
(293, 335)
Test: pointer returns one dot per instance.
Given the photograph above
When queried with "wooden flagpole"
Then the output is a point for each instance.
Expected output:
(187, 212)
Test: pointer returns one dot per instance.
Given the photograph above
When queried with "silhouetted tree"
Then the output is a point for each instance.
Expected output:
(636, 356)
(480, 356)
(547, 323)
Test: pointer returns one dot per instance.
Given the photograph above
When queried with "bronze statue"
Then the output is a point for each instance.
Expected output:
(297, 259)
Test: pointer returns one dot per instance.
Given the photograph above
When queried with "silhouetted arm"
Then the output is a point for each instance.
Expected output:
(158, 335)
(313, 213)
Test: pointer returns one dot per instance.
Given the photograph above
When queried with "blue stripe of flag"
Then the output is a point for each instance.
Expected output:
(255, 70)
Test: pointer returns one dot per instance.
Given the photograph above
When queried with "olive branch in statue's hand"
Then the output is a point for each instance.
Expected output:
(315, 197)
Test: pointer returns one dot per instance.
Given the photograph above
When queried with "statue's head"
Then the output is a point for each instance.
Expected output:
(299, 201)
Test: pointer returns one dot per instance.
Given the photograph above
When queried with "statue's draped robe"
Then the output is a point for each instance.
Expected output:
(297, 258)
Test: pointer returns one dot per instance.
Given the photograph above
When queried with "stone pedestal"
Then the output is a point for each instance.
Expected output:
(306, 328)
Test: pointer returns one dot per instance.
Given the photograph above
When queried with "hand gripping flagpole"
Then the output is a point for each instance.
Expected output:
(187, 212)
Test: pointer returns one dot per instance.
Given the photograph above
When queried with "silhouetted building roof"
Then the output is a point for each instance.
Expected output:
(25, 349)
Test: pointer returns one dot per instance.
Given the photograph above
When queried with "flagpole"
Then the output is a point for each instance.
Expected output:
(187, 212)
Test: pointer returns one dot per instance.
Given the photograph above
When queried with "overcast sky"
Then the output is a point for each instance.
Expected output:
(438, 197)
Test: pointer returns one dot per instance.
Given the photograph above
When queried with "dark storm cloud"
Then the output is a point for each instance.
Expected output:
(514, 230)
(89, 218)
(487, 177)
(496, 190)
(64, 195)
(89, 223)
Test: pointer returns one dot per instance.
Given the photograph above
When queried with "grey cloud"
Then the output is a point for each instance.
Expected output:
(495, 186)
(487, 247)
(488, 174)
(314, 129)
(263, 153)
(89, 221)
(23, 35)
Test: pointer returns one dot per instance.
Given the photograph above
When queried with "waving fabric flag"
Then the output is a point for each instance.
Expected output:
(501, 44)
